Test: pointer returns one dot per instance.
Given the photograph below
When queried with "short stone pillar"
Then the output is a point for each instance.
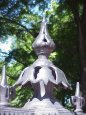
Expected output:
(6, 92)
(78, 101)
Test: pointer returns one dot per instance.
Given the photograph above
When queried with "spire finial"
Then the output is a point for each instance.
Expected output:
(77, 92)
(43, 44)
(43, 75)
(4, 79)
(7, 92)
(77, 100)
(44, 17)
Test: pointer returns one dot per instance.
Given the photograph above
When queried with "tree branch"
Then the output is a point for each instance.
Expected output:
(13, 21)
(74, 8)
(4, 53)
(73, 4)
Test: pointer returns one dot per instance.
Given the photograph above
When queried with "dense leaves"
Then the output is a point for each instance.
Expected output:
(21, 18)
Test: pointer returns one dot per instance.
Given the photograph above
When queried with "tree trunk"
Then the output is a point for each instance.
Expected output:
(82, 60)
(80, 21)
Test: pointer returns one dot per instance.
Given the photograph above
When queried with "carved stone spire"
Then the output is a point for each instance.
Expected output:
(43, 44)
(77, 92)
(43, 75)
(6, 92)
(77, 100)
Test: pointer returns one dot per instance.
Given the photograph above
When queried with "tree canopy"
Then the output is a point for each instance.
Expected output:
(20, 20)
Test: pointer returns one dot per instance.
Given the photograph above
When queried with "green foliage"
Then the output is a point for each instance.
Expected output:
(23, 94)
(24, 25)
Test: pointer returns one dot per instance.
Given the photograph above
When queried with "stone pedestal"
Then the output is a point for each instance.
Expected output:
(46, 107)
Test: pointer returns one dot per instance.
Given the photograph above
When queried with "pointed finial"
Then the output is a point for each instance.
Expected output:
(77, 100)
(44, 18)
(4, 79)
(6, 92)
(77, 92)
(43, 44)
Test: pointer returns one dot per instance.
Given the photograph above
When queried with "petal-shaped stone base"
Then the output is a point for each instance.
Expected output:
(46, 107)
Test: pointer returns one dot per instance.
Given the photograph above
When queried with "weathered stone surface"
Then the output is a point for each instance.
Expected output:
(43, 75)
(78, 101)
(35, 111)
(6, 92)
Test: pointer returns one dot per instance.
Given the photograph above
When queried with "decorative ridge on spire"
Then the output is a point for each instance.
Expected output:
(43, 44)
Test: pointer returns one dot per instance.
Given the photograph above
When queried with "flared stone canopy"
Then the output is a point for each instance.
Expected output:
(43, 71)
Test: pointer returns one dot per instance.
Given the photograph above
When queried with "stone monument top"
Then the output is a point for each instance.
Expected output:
(43, 75)
(6, 92)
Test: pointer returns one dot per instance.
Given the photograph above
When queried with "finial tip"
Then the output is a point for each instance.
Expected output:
(3, 80)
(77, 92)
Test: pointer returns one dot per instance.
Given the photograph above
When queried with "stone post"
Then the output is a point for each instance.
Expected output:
(78, 101)
(6, 92)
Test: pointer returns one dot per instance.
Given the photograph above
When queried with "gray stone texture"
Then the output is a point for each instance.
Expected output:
(43, 76)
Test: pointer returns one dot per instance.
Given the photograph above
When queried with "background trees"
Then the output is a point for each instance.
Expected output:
(20, 20)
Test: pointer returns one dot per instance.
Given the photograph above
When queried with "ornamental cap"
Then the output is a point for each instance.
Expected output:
(43, 44)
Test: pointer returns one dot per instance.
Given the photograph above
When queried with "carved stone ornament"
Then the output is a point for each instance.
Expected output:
(6, 92)
(77, 100)
(43, 76)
